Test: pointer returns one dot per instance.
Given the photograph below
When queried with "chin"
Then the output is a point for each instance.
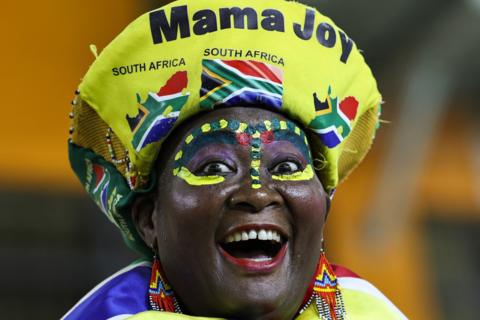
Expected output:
(245, 294)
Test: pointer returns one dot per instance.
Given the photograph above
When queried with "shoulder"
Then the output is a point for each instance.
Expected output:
(362, 299)
(117, 297)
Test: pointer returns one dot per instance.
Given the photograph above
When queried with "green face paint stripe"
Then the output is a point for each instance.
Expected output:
(255, 143)
(305, 175)
(255, 156)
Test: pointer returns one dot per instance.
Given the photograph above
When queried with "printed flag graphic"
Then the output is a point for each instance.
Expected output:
(333, 121)
(158, 113)
(234, 82)
(100, 187)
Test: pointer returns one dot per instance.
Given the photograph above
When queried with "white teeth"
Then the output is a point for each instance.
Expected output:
(262, 235)
(269, 235)
(277, 237)
(237, 236)
(254, 234)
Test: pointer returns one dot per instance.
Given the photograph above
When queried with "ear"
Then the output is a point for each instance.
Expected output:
(143, 216)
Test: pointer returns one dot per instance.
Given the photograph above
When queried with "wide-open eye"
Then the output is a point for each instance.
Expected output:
(214, 168)
(285, 167)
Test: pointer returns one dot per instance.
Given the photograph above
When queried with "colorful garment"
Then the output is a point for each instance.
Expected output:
(124, 295)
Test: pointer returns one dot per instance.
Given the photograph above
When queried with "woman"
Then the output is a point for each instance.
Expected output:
(213, 135)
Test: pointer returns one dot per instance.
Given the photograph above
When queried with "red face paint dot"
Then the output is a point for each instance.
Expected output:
(243, 138)
(267, 136)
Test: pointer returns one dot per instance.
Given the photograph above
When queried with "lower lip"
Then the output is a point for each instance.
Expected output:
(253, 266)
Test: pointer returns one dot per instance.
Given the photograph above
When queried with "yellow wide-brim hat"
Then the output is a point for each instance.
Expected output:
(191, 56)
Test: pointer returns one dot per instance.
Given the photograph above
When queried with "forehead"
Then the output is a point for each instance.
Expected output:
(233, 121)
(249, 115)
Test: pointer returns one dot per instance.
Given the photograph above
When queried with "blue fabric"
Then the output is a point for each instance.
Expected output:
(124, 293)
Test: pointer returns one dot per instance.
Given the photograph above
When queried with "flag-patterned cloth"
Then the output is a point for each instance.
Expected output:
(124, 295)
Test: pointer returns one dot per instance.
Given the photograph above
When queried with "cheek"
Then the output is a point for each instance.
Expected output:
(307, 203)
(190, 212)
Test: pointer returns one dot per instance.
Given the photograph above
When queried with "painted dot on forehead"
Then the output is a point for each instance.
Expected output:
(206, 127)
(242, 127)
(215, 125)
(250, 130)
(275, 124)
(223, 123)
(243, 138)
(291, 126)
(261, 127)
(267, 137)
(268, 125)
(233, 125)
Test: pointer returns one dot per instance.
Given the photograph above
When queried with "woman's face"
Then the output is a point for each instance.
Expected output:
(238, 215)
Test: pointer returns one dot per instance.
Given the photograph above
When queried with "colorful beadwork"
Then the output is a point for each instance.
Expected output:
(160, 293)
(248, 135)
(71, 115)
(326, 293)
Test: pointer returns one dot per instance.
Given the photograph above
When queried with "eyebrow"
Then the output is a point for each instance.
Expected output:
(298, 141)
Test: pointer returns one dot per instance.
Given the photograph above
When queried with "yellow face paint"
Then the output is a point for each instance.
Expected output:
(304, 175)
(189, 139)
(195, 180)
(178, 155)
(182, 172)
(206, 127)
(223, 123)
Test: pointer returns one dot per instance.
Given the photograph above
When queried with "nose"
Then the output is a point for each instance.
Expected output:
(251, 200)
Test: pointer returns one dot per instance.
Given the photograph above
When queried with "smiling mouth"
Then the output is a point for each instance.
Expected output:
(256, 250)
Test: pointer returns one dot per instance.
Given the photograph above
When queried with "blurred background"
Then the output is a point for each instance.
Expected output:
(408, 219)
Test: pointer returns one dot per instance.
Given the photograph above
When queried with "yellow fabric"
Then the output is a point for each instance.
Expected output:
(309, 67)
(359, 306)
